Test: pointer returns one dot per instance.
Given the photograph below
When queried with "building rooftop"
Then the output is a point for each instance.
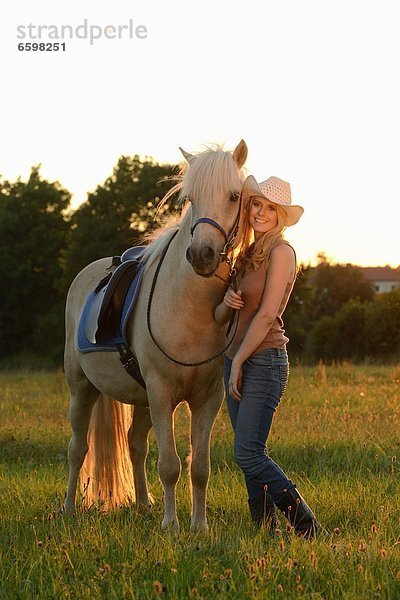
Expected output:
(381, 273)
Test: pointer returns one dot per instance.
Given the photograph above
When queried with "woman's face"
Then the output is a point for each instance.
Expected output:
(263, 215)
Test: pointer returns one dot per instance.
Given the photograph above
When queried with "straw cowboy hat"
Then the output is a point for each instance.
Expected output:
(275, 190)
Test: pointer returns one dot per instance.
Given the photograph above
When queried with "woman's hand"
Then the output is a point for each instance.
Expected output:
(235, 381)
(233, 299)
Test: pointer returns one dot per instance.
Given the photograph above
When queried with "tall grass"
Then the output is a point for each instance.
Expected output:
(337, 435)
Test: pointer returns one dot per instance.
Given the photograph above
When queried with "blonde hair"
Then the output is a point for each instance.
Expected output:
(254, 253)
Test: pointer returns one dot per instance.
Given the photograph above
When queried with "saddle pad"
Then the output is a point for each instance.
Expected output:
(85, 345)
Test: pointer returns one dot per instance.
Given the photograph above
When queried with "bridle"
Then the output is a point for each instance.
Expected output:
(230, 238)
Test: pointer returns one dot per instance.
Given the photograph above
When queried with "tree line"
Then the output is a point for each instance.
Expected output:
(333, 314)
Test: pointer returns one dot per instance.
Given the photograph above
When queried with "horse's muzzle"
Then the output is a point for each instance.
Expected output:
(204, 260)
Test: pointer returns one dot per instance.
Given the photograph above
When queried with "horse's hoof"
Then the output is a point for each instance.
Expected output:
(199, 528)
(167, 525)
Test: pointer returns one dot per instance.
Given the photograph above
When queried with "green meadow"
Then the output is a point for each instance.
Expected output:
(336, 434)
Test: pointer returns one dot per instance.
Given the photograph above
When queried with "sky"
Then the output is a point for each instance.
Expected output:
(311, 86)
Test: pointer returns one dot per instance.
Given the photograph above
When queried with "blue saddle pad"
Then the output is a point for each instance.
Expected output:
(85, 345)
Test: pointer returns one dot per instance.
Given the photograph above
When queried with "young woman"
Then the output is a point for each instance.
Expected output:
(256, 365)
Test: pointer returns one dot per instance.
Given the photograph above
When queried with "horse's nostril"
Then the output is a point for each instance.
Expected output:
(189, 255)
(207, 254)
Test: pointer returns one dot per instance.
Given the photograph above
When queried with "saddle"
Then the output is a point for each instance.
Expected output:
(103, 322)
(104, 318)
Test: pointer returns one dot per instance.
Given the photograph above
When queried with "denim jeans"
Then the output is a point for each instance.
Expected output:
(264, 379)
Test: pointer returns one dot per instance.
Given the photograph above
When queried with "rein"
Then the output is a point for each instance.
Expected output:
(153, 285)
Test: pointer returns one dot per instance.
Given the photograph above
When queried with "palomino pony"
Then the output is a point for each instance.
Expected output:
(179, 358)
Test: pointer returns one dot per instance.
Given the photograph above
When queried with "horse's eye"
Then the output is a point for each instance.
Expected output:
(234, 197)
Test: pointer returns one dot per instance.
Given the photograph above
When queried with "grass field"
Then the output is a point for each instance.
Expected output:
(337, 435)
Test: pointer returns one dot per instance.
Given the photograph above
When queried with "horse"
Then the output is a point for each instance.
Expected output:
(178, 347)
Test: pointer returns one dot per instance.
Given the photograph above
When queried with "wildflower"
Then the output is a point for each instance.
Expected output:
(383, 553)
(228, 573)
(360, 569)
(336, 531)
(314, 561)
(362, 546)
(158, 588)
(394, 458)
(279, 587)
(261, 563)
(268, 557)
(374, 528)
(282, 546)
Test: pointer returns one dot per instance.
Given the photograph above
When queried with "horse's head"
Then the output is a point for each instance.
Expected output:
(213, 184)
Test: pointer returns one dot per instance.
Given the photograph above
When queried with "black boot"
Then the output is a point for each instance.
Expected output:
(300, 515)
(262, 511)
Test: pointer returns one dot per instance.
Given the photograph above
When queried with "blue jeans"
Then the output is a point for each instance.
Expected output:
(264, 379)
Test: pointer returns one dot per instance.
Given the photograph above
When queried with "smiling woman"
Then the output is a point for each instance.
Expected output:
(263, 216)
(256, 368)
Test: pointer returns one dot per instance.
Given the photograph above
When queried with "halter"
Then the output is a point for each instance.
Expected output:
(230, 237)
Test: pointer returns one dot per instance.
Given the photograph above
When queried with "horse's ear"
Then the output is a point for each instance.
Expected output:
(187, 156)
(240, 153)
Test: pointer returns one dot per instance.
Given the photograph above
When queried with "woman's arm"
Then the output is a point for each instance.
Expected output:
(281, 270)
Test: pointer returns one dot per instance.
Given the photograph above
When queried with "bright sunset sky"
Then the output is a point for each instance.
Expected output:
(311, 86)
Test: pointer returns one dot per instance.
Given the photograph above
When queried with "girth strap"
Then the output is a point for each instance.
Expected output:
(130, 364)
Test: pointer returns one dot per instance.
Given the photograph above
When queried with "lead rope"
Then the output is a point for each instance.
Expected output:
(174, 360)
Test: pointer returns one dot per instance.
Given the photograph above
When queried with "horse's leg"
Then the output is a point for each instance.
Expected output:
(83, 398)
(169, 464)
(203, 418)
(138, 447)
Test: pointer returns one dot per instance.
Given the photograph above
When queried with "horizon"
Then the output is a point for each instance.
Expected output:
(74, 205)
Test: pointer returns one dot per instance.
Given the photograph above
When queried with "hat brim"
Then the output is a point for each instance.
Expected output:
(251, 188)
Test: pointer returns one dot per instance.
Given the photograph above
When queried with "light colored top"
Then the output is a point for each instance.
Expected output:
(266, 287)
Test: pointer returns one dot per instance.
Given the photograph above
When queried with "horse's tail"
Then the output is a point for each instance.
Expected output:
(107, 473)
